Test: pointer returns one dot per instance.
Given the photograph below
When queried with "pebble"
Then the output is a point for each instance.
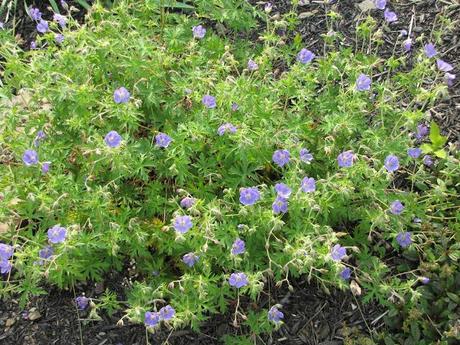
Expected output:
(10, 322)
(34, 314)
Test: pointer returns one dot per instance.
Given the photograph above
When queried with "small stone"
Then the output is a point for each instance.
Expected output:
(10, 322)
(366, 5)
(34, 314)
(418, 29)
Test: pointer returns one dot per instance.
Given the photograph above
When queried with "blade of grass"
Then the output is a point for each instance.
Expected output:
(2, 6)
(84, 4)
(54, 6)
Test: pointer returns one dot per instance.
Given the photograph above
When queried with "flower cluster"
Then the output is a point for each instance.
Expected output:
(153, 318)
(6, 252)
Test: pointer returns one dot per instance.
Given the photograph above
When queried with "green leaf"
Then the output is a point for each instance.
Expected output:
(54, 6)
(426, 148)
(441, 153)
(181, 5)
(435, 135)
(415, 331)
(454, 297)
(84, 4)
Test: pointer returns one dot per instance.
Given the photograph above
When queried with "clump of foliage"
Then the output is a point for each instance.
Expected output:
(147, 138)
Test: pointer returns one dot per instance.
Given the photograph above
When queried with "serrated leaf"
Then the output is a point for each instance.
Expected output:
(426, 148)
(454, 297)
(435, 135)
(415, 331)
(441, 153)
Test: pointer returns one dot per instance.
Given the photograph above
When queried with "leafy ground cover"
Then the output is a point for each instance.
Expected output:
(217, 157)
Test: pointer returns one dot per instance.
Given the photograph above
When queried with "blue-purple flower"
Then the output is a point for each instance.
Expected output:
(424, 280)
(187, 202)
(5, 266)
(46, 167)
(338, 252)
(40, 136)
(190, 259)
(380, 4)
(422, 131)
(396, 207)
(30, 157)
(363, 82)
(121, 95)
(199, 31)
(33, 45)
(112, 139)
(306, 156)
(280, 205)
(427, 160)
(226, 128)
(283, 190)
(390, 16)
(42, 26)
(404, 239)
(162, 140)
(407, 44)
(60, 19)
(444, 66)
(345, 274)
(252, 65)
(449, 79)
(235, 106)
(209, 101)
(305, 56)
(275, 315)
(59, 38)
(268, 7)
(430, 50)
(391, 163)
(35, 14)
(238, 280)
(151, 318)
(414, 152)
(308, 184)
(182, 224)
(57, 234)
(46, 253)
(82, 302)
(249, 196)
(346, 159)
(167, 313)
(238, 247)
(281, 157)
(6, 251)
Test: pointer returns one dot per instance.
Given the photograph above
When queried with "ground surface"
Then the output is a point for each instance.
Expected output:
(312, 316)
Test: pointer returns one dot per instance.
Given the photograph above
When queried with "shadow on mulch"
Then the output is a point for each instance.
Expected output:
(312, 317)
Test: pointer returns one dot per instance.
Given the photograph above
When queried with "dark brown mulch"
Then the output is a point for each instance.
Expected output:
(312, 317)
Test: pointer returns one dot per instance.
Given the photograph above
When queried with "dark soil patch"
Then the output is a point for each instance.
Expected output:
(312, 317)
